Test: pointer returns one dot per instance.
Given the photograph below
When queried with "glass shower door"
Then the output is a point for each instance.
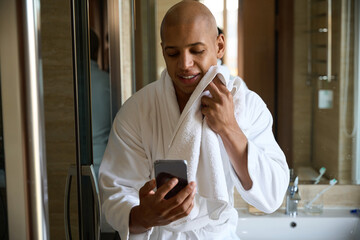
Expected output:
(331, 74)
(83, 170)
(99, 89)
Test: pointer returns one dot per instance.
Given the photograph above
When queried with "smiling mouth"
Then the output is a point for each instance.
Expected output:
(189, 78)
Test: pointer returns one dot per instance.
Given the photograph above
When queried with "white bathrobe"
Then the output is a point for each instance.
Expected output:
(147, 128)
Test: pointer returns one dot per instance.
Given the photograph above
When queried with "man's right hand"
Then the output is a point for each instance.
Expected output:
(154, 210)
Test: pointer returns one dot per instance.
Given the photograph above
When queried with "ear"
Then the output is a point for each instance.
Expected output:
(220, 44)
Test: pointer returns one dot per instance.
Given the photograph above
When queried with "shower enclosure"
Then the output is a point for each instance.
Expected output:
(326, 89)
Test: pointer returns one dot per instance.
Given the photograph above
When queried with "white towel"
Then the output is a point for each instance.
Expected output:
(195, 142)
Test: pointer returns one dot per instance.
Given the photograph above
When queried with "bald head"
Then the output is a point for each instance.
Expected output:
(188, 12)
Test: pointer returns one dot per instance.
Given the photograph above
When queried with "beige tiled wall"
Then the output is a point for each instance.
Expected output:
(302, 91)
(59, 110)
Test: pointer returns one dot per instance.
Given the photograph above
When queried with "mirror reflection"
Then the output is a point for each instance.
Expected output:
(100, 81)
(324, 102)
(324, 84)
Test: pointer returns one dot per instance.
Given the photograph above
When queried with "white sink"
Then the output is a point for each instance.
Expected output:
(332, 224)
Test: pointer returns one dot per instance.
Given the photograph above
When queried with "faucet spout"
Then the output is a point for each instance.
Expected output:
(292, 199)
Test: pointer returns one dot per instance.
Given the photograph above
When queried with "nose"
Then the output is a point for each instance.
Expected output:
(185, 60)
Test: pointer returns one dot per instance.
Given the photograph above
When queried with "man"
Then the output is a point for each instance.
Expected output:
(100, 104)
(146, 129)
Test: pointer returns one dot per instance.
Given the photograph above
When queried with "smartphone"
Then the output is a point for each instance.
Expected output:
(168, 169)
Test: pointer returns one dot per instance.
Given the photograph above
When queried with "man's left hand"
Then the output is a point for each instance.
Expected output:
(219, 109)
(219, 114)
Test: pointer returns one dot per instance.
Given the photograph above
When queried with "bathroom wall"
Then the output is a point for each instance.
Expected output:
(302, 100)
(125, 51)
(161, 8)
(59, 110)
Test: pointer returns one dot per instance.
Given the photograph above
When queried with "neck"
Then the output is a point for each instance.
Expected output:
(182, 99)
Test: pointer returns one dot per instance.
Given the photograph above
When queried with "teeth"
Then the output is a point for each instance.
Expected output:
(188, 77)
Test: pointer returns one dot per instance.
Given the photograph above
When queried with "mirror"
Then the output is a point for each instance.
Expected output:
(325, 78)
(325, 100)
(325, 83)
(111, 73)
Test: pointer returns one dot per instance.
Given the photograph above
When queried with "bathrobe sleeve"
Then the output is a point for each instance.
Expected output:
(266, 161)
(123, 171)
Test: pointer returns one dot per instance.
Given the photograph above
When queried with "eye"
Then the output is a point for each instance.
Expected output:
(171, 53)
(198, 52)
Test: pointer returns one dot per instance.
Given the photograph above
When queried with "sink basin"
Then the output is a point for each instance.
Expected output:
(332, 224)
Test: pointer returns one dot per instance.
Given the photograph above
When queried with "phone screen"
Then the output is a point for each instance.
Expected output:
(168, 169)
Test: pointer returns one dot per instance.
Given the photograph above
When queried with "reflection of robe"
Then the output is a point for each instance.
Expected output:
(141, 134)
(100, 112)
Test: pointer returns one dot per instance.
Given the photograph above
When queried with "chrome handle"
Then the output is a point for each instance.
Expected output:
(86, 171)
(89, 171)
(329, 39)
(71, 173)
(326, 78)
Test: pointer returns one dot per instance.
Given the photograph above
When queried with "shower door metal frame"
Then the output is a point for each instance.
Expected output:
(23, 111)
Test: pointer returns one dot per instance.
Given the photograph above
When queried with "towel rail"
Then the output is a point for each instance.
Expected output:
(328, 46)
(329, 41)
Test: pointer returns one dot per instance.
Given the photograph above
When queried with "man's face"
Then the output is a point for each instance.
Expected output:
(189, 51)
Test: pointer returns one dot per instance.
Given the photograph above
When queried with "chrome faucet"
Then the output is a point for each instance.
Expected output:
(292, 198)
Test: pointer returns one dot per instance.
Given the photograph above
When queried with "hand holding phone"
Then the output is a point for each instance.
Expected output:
(154, 210)
(168, 169)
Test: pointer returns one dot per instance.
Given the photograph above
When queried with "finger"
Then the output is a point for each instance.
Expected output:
(213, 89)
(204, 111)
(147, 188)
(184, 209)
(207, 101)
(207, 112)
(183, 194)
(219, 92)
(217, 81)
(185, 213)
(166, 187)
(220, 85)
(179, 200)
(209, 105)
